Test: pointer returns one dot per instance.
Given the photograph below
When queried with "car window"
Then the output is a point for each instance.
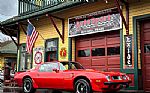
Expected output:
(48, 67)
(62, 67)
(72, 65)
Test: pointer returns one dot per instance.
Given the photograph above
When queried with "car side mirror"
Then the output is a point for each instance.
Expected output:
(56, 70)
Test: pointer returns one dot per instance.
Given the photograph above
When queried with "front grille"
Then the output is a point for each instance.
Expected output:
(116, 77)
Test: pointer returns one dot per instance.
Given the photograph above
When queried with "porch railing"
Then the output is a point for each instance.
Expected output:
(30, 6)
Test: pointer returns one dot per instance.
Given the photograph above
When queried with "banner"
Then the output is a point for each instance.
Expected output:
(100, 21)
(128, 51)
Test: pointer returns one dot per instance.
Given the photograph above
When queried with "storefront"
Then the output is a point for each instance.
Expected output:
(93, 34)
(97, 39)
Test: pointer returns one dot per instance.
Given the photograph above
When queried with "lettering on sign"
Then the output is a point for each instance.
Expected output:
(100, 21)
(128, 51)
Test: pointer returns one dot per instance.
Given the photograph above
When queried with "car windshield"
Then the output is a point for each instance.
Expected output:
(71, 65)
(48, 67)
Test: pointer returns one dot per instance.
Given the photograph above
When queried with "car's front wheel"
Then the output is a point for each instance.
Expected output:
(27, 86)
(82, 86)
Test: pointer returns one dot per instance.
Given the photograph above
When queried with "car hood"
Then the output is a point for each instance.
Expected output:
(96, 71)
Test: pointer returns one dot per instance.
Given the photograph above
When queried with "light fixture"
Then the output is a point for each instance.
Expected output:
(106, 1)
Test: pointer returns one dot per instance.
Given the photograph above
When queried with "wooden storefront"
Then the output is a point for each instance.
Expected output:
(108, 50)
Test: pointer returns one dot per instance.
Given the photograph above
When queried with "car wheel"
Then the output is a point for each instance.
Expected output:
(82, 86)
(27, 86)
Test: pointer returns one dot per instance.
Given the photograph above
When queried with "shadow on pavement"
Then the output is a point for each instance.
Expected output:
(19, 90)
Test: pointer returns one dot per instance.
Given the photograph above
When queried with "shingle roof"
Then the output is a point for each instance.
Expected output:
(8, 47)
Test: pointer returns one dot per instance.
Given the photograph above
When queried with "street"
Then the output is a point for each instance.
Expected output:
(7, 89)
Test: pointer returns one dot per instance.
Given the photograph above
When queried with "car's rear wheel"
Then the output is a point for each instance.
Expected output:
(28, 86)
(82, 86)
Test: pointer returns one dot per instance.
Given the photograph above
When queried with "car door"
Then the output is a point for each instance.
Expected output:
(47, 78)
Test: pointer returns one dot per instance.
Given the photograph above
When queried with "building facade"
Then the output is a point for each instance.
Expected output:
(92, 33)
(8, 55)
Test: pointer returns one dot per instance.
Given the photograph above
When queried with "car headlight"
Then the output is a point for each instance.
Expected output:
(125, 77)
(108, 78)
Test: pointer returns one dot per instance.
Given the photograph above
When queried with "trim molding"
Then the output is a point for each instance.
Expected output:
(70, 49)
(135, 19)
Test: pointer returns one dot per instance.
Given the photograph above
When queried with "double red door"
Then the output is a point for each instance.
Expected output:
(99, 51)
(145, 47)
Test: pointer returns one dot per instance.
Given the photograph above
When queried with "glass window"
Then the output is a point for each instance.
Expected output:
(84, 53)
(147, 48)
(98, 52)
(48, 67)
(72, 65)
(51, 45)
(22, 62)
(23, 58)
(62, 67)
(113, 50)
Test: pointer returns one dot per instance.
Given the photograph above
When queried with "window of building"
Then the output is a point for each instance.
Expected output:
(147, 48)
(22, 58)
(51, 49)
(113, 50)
(25, 59)
(98, 52)
(84, 53)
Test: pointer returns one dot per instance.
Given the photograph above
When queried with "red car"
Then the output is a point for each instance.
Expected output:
(70, 76)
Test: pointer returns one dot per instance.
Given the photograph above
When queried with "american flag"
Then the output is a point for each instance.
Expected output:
(32, 35)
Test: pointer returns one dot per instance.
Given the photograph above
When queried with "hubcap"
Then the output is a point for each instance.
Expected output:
(82, 88)
(27, 85)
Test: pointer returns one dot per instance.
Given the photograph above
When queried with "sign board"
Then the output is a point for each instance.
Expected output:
(100, 21)
(38, 55)
(128, 51)
(63, 52)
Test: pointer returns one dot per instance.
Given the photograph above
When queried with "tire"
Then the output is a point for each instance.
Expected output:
(28, 86)
(82, 86)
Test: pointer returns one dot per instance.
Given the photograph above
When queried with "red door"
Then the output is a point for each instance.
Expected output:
(50, 80)
(99, 51)
(51, 56)
(47, 78)
(145, 45)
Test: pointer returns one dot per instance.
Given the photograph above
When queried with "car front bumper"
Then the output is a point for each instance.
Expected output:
(116, 85)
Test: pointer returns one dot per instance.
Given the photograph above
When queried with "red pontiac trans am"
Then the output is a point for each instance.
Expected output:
(70, 76)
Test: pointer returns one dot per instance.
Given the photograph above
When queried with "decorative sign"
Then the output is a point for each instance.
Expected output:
(95, 22)
(63, 52)
(128, 51)
(38, 55)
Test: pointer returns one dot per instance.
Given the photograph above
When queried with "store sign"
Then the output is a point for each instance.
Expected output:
(128, 51)
(63, 52)
(95, 22)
